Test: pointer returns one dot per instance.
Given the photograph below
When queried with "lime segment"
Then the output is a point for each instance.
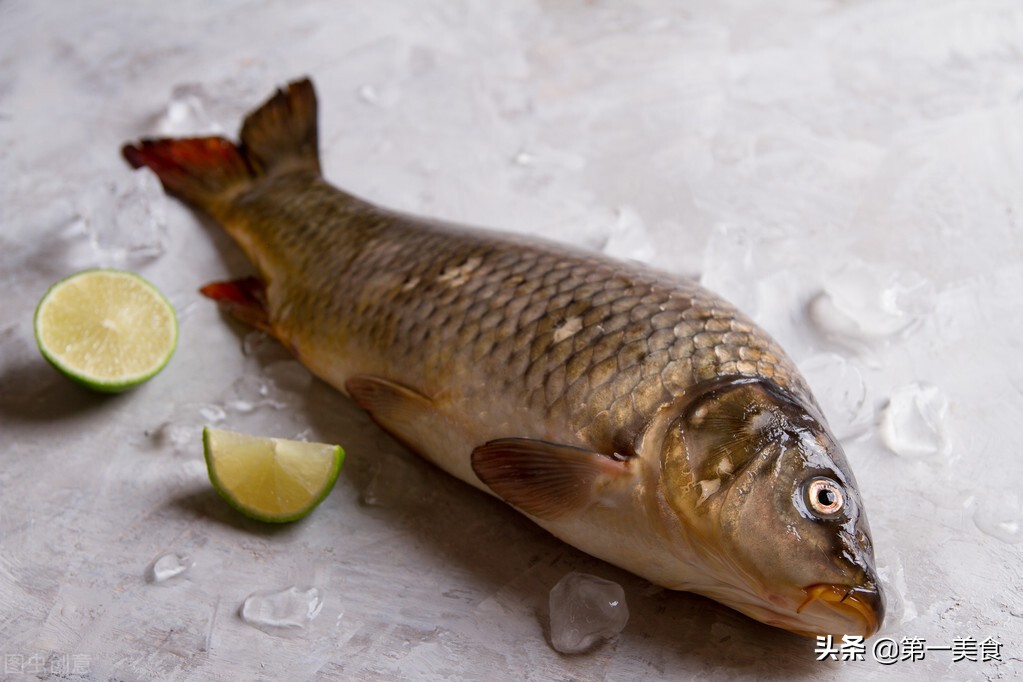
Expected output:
(270, 479)
(106, 329)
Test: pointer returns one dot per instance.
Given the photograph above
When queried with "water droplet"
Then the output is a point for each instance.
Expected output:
(167, 566)
(524, 158)
(585, 609)
(1001, 517)
(289, 608)
(368, 94)
(912, 424)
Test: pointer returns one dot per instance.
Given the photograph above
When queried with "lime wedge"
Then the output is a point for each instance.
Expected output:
(108, 330)
(270, 479)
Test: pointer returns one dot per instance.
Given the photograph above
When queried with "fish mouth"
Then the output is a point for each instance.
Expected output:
(859, 607)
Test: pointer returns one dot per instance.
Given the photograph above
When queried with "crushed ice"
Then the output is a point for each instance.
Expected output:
(584, 610)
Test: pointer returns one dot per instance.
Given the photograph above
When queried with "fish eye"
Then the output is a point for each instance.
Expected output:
(824, 496)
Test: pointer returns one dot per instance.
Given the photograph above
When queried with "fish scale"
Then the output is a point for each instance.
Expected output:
(628, 411)
(486, 308)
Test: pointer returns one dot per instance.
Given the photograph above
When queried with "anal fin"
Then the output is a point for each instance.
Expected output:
(547, 480)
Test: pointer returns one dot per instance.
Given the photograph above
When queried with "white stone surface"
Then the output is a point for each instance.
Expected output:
(769, 147)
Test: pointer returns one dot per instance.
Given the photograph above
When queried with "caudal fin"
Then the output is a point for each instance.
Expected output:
(197, 170)
(279, 135)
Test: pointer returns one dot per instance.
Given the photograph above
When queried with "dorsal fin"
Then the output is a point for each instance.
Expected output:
(283, 132)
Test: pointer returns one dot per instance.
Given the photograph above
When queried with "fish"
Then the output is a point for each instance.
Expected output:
(628, 411)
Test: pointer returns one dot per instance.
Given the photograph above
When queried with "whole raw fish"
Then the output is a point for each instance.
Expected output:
(630, 412)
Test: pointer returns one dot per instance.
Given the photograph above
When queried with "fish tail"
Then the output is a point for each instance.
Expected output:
(197, 170)
(203, 171)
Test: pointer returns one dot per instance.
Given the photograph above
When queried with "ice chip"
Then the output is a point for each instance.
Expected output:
(180, 436)
(249, 393)
(289, 375)
(912, 424)
(167, 566)
(841, 391)
(393, 482)
(584, 610)
(628, 237)
(285, 609)
(212, 414)
(187, 113)
(254, 342)
(898, 608)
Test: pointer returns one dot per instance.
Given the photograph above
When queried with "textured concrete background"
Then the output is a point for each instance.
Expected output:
(849, 172)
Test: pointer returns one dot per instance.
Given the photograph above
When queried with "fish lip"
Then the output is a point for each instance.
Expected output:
(863, 602)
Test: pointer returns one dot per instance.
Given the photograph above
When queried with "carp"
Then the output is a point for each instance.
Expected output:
(630, 412)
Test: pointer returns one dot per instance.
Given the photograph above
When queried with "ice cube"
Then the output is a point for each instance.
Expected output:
(249, 393)
(126, 221)
(584, 610)
(912, 424)
(288, 608)
(864, 303)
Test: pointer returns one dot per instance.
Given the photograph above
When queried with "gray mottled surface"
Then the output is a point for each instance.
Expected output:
(848, 173)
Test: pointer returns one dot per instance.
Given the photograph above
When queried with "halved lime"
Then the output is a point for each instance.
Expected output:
(270, 479)
(109, 330)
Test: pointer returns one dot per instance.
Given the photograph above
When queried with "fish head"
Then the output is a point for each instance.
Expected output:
(771, 506)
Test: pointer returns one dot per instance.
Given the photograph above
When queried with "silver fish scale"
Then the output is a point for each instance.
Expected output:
(584, 341)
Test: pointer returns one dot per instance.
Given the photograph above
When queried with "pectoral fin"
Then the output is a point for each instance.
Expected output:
(547, 480)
